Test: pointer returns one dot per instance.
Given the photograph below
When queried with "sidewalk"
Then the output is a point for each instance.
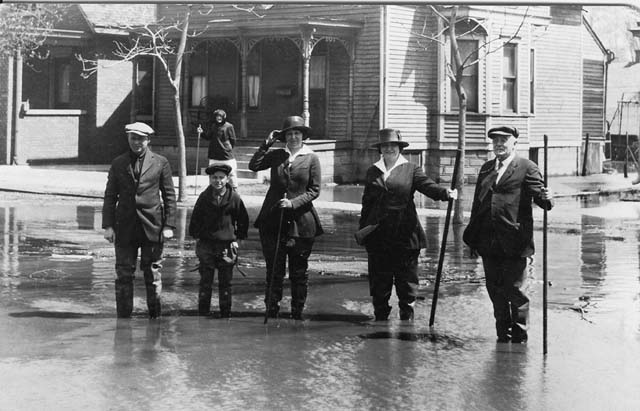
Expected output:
(89, 181)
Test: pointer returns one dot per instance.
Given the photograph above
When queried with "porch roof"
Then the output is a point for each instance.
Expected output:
(282, 27)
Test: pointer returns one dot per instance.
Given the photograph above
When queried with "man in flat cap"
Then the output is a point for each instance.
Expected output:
(500, 230)
(219, 222)
(139, 213)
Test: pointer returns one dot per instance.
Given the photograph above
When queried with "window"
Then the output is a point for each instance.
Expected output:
(317, 72)
(198, 73)
(469, 51)
(532, 77)
(509, 78)
(253, 77)
(144, 86)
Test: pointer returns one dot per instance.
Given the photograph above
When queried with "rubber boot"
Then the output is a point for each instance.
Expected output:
(224, 302)
(204, 293)
(154, 290)
(124, 297)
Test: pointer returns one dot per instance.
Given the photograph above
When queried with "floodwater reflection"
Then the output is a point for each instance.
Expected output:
(57, 311)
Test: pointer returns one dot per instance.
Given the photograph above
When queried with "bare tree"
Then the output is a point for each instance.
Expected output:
(455, 70)
(24, 28)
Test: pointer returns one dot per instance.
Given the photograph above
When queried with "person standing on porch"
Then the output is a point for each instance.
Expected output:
(222, 140)
(287, 212)
(139, 212)
(396, 236)
(500, 230)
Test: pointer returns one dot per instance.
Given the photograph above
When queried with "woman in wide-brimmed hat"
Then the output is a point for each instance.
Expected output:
(394, 235)
(287, 212)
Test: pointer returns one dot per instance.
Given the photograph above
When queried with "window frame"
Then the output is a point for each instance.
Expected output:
(510, 79)
(453, 103)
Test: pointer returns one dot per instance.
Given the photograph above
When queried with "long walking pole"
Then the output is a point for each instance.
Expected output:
(195, 189)
(444, 240)
(544, 256)
(273, 265)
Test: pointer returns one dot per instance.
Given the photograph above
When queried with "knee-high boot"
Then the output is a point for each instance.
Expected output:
(154, 289)
(124, 297)
(205, 291)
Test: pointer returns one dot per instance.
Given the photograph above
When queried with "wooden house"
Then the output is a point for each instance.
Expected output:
(349, 70)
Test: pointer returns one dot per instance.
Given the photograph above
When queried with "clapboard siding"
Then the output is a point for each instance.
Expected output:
(410, 74)
(337, 93)
(558, 87)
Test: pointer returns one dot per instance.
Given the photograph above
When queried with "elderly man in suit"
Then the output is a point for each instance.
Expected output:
(138, 213)
(501, 230)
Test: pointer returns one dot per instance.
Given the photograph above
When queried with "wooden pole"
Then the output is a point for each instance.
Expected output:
(544, 254)
(443, 245)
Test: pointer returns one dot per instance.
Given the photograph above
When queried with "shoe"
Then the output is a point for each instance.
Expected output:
(406, 315)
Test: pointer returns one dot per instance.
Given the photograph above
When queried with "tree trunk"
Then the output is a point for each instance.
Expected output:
(177, 78)
(458, 211)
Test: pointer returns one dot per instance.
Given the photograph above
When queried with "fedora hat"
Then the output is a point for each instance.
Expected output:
(505, 131)
(293, 123)
(389, 135)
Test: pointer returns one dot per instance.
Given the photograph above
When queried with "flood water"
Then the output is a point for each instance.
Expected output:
(61, 346)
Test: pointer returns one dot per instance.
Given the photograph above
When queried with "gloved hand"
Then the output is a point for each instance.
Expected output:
(167, 233)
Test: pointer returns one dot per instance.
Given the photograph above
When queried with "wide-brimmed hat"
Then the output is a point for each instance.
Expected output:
(505, 131)
(293, 123)
(139, 128)
(218, 167)
(389, 135)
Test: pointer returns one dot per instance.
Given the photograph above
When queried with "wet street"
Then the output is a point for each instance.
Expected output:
(62, 348)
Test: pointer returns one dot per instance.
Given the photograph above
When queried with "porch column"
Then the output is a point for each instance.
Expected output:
(352, 63)
(244, 56)
(307, 48)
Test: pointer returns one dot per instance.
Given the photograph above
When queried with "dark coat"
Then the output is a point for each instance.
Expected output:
(222, 139)
(224, 222)
(300, 182)
(505, 215)
(390, 204)
(151, 201)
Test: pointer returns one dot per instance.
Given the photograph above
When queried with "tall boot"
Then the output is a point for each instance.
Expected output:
(224, 301)
(154, 289)
(124, 297)
(298, 299)
(204, 293)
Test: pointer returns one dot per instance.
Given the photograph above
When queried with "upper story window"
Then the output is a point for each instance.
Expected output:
(510, 77)
(469, 51)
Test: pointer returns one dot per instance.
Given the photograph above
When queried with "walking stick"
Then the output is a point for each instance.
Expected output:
(273, 265)
(444, 240)
(544, 257)
(195, 190)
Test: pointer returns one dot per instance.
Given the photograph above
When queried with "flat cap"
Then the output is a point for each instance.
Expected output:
(139, 128)
(506, 131)
(218, 167)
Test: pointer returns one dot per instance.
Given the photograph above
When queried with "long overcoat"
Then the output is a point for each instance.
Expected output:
(507, 217)
(390, 205)
(300, 181)
(151, 200)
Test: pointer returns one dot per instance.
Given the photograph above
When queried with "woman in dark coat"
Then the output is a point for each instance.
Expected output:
(394, 245)
(287, 212)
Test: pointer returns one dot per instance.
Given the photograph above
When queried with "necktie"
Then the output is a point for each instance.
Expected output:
(489, 181)
(498, 170)
(137, 169)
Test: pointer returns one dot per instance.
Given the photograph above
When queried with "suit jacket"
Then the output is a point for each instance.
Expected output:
(390, 204)
(149, 202)
(300, 181)
(501, 221)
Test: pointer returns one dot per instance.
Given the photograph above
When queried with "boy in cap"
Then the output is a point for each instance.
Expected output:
(138, 213)
(500, 229)
(219, 220)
